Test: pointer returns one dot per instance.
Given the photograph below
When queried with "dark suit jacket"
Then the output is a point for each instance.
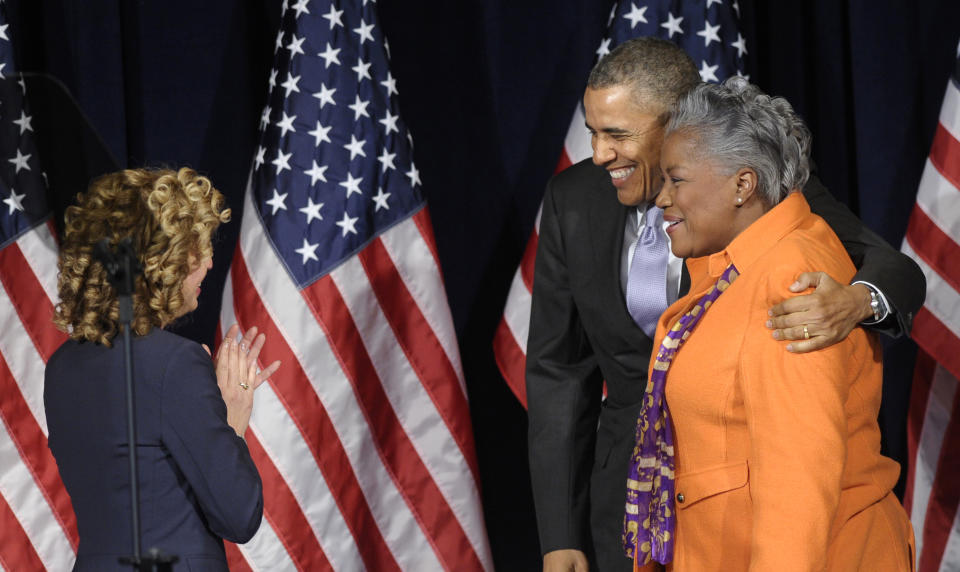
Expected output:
(581, 334)
(198, 483)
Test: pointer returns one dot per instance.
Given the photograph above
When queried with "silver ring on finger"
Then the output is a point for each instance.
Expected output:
(806, 333)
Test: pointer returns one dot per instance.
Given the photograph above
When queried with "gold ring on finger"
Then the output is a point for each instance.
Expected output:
(806, 333)
(244, 386)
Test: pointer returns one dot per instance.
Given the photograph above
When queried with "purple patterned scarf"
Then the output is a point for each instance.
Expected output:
(650, 519)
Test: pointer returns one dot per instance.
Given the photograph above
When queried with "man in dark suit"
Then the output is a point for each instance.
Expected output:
(584, 332)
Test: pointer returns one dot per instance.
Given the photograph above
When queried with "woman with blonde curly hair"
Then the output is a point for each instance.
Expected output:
(198, 484)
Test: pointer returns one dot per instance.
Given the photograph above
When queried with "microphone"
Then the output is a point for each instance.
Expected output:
(122, 268)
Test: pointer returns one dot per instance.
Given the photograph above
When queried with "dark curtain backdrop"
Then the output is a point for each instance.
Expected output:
(487, 88)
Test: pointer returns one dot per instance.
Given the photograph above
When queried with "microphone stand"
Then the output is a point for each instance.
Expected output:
(122, 269)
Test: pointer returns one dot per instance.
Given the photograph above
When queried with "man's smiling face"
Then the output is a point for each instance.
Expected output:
(626, 141)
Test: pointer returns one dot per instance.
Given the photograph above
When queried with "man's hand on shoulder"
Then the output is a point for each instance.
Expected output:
(821, 318)
(566, 560)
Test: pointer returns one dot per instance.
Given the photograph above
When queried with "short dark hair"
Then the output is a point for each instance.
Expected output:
(657, 72)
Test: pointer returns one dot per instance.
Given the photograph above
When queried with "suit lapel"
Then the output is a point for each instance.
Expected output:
(608, 218)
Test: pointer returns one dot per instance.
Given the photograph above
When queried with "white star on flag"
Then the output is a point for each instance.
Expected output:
(24, 122)
(259, 159)
(636, 15)
(308, 251)
(740, 45)
(381, 200)
(312, 210)
(334, 16)
(320, 134)
(391, 85)
(14, 201)
(359, 108)
(390, 122)
(365, 30)
(414, 175)
(612, 14)
(672, 25)
(347, 224)
(325, 95)
(352, 185)
(708, 73)
(20, 161)
(363, 70)
(278, 202)
(296, 46)
(301, 7)
(386, 159)
(604, 48)
(330, 55)
(316, 173)
(355, 146)
(709, 33)
(265, 118)
(286, 123)
(282, 161)
(291, 85)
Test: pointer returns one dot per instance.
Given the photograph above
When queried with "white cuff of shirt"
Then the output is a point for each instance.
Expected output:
(884, 305)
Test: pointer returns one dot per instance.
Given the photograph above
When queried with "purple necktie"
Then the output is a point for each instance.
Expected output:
(647, 280)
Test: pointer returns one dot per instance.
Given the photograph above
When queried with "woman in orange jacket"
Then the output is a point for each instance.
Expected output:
(749, 457)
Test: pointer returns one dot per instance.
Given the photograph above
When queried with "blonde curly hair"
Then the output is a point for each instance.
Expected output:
(170, 215)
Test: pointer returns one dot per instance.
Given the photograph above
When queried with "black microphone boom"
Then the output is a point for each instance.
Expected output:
(122, 268)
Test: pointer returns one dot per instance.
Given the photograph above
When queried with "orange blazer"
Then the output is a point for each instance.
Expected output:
(778, 462)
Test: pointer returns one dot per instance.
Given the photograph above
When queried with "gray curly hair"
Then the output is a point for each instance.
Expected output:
(736, 125)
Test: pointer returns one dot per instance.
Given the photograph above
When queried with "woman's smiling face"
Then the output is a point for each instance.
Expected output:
(698, 200)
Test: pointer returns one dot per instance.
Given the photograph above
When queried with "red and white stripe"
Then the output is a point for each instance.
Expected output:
(933, 240)
(363, 438)
(510, 339)
(576, 145)
(37, 526)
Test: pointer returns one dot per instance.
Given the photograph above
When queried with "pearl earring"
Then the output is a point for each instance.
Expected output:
(739, 200)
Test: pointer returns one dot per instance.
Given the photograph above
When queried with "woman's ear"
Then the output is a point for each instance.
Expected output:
(745, 180)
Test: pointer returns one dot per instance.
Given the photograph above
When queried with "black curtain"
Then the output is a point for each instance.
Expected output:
(487, 89)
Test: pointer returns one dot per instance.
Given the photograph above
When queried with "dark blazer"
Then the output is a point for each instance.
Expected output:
(198, 483)
(582, 335)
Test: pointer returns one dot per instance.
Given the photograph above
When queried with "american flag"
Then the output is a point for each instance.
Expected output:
(38, 529)
(709, 32)
(933, 425)
(363, 439)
